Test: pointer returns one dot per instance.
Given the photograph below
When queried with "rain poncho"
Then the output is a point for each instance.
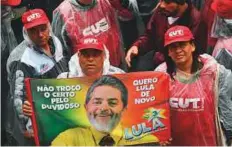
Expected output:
(223, 52)
(8, 43)
(222, 29)
(29, 61)
(73, 21)
(8, 40)
(198, 101)
(76, 71)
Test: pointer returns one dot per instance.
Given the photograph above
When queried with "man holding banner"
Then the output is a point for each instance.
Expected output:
(40, 55)
(106, 100)
(91, 60)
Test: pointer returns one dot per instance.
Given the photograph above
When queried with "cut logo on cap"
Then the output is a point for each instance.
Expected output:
(176, 33)
(33, 16)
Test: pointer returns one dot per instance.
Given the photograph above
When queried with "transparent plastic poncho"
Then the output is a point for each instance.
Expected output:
(73, 21)
(200, 103)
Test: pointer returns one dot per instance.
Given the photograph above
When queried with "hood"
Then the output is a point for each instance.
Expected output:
(17, 53)
(28, 40)
(75, 68)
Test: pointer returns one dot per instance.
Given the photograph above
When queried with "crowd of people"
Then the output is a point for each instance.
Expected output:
(190, 40)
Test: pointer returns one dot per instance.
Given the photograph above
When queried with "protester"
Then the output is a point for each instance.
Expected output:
(222, 30)
(200, 92)
(47, 5)
(8, 43)
(92, 59)
(75, 19)
(168, 13)
(40, 56)
(8, 40)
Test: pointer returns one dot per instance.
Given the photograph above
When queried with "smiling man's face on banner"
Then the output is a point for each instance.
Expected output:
(105, 108)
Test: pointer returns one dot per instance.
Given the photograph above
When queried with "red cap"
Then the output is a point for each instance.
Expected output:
(10, 2)
(177, 34)
(90, 42)
(34, 18)
(223, 8)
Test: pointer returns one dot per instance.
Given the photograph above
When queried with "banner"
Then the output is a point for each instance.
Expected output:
(129, 108)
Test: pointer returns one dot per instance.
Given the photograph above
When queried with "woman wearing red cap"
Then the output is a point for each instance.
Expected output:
(200, 92)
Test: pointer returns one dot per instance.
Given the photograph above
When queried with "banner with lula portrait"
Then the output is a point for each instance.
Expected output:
(121, 109)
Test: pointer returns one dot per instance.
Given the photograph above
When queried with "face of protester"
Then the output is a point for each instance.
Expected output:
(169, 9)
(91, 61)
(105, 108)
(181, 52)
(39, 35)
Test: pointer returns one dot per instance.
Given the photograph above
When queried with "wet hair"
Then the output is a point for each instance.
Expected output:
(108, 80)
(171, 67)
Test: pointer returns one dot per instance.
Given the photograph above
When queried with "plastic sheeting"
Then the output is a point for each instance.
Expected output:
(224, 57)
(16, 114)
(8, 40)
(8, 43)
(221, 28)
(72, 21)
(196, 102)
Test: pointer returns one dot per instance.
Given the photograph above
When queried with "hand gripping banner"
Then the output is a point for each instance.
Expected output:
(123, 109)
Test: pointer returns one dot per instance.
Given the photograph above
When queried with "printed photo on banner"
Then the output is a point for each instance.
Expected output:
(122, 109)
